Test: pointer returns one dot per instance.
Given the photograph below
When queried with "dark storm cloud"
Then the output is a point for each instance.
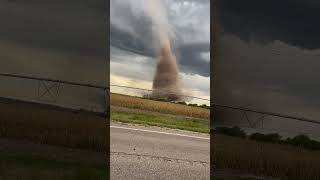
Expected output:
(54, 39)
(69, 26)
(294, 22)
(268, 59)
(124, 40)
(191, 60)
(257, 71)
(134, 33)
(280, 42)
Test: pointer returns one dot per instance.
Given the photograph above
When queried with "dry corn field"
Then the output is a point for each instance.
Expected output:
(273, 160)
(44, 125)
(159, 106)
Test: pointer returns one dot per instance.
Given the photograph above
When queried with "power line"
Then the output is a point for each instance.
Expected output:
(266, 113)
(149, 90)
(53, 97)
(53, 80)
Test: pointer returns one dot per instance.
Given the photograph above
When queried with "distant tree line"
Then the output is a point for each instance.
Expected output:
(153, 98)
(195, 105)
(181, 102)
(299, 140)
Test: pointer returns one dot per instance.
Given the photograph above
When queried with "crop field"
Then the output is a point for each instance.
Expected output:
(43, 125)
(159, 106)
(13, 167)
(65, 132)
(264, 159)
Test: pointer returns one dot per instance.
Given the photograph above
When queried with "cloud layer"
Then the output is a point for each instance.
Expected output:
(268, 59)
(294, 22)
(54, 39)
(77, 27)
(189, 28)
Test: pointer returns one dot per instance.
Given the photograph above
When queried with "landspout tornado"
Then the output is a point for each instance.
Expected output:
(166, 82)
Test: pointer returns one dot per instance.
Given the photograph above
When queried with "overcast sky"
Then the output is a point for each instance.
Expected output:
(133, 52)
(54, 39)
(269, 58)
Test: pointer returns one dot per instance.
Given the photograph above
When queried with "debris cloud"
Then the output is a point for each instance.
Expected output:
(167, 83)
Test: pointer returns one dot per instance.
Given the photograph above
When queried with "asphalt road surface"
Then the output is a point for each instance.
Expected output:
(155, 153)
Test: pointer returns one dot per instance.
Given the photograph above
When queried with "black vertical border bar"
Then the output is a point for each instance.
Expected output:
(213, 52)
(211, 109)
(107, 90)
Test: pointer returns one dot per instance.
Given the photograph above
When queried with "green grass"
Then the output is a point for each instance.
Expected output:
(196, 125)
(15, 166)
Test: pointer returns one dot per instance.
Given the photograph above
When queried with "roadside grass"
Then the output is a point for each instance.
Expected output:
(159, 106)
(196, 125)
(17, 167)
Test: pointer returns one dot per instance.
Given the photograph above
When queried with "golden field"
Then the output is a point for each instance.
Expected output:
(47, 125)
(263, 159)
(159, 106)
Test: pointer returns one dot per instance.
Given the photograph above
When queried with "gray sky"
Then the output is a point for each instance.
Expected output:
(269, 58)
(132, 43)
(54, 39)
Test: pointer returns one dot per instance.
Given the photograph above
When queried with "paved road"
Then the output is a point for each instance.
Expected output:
(153, 153)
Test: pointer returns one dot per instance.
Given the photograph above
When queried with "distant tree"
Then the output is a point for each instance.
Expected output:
(315, 145)
(271, 138)
(300, 140)
(234, 131)
(182, 102)
(204, 106)
(256, 136)
(303, 141)
(195, 105)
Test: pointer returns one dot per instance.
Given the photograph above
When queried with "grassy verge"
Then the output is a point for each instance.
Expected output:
(196, 125)
(15, 166)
